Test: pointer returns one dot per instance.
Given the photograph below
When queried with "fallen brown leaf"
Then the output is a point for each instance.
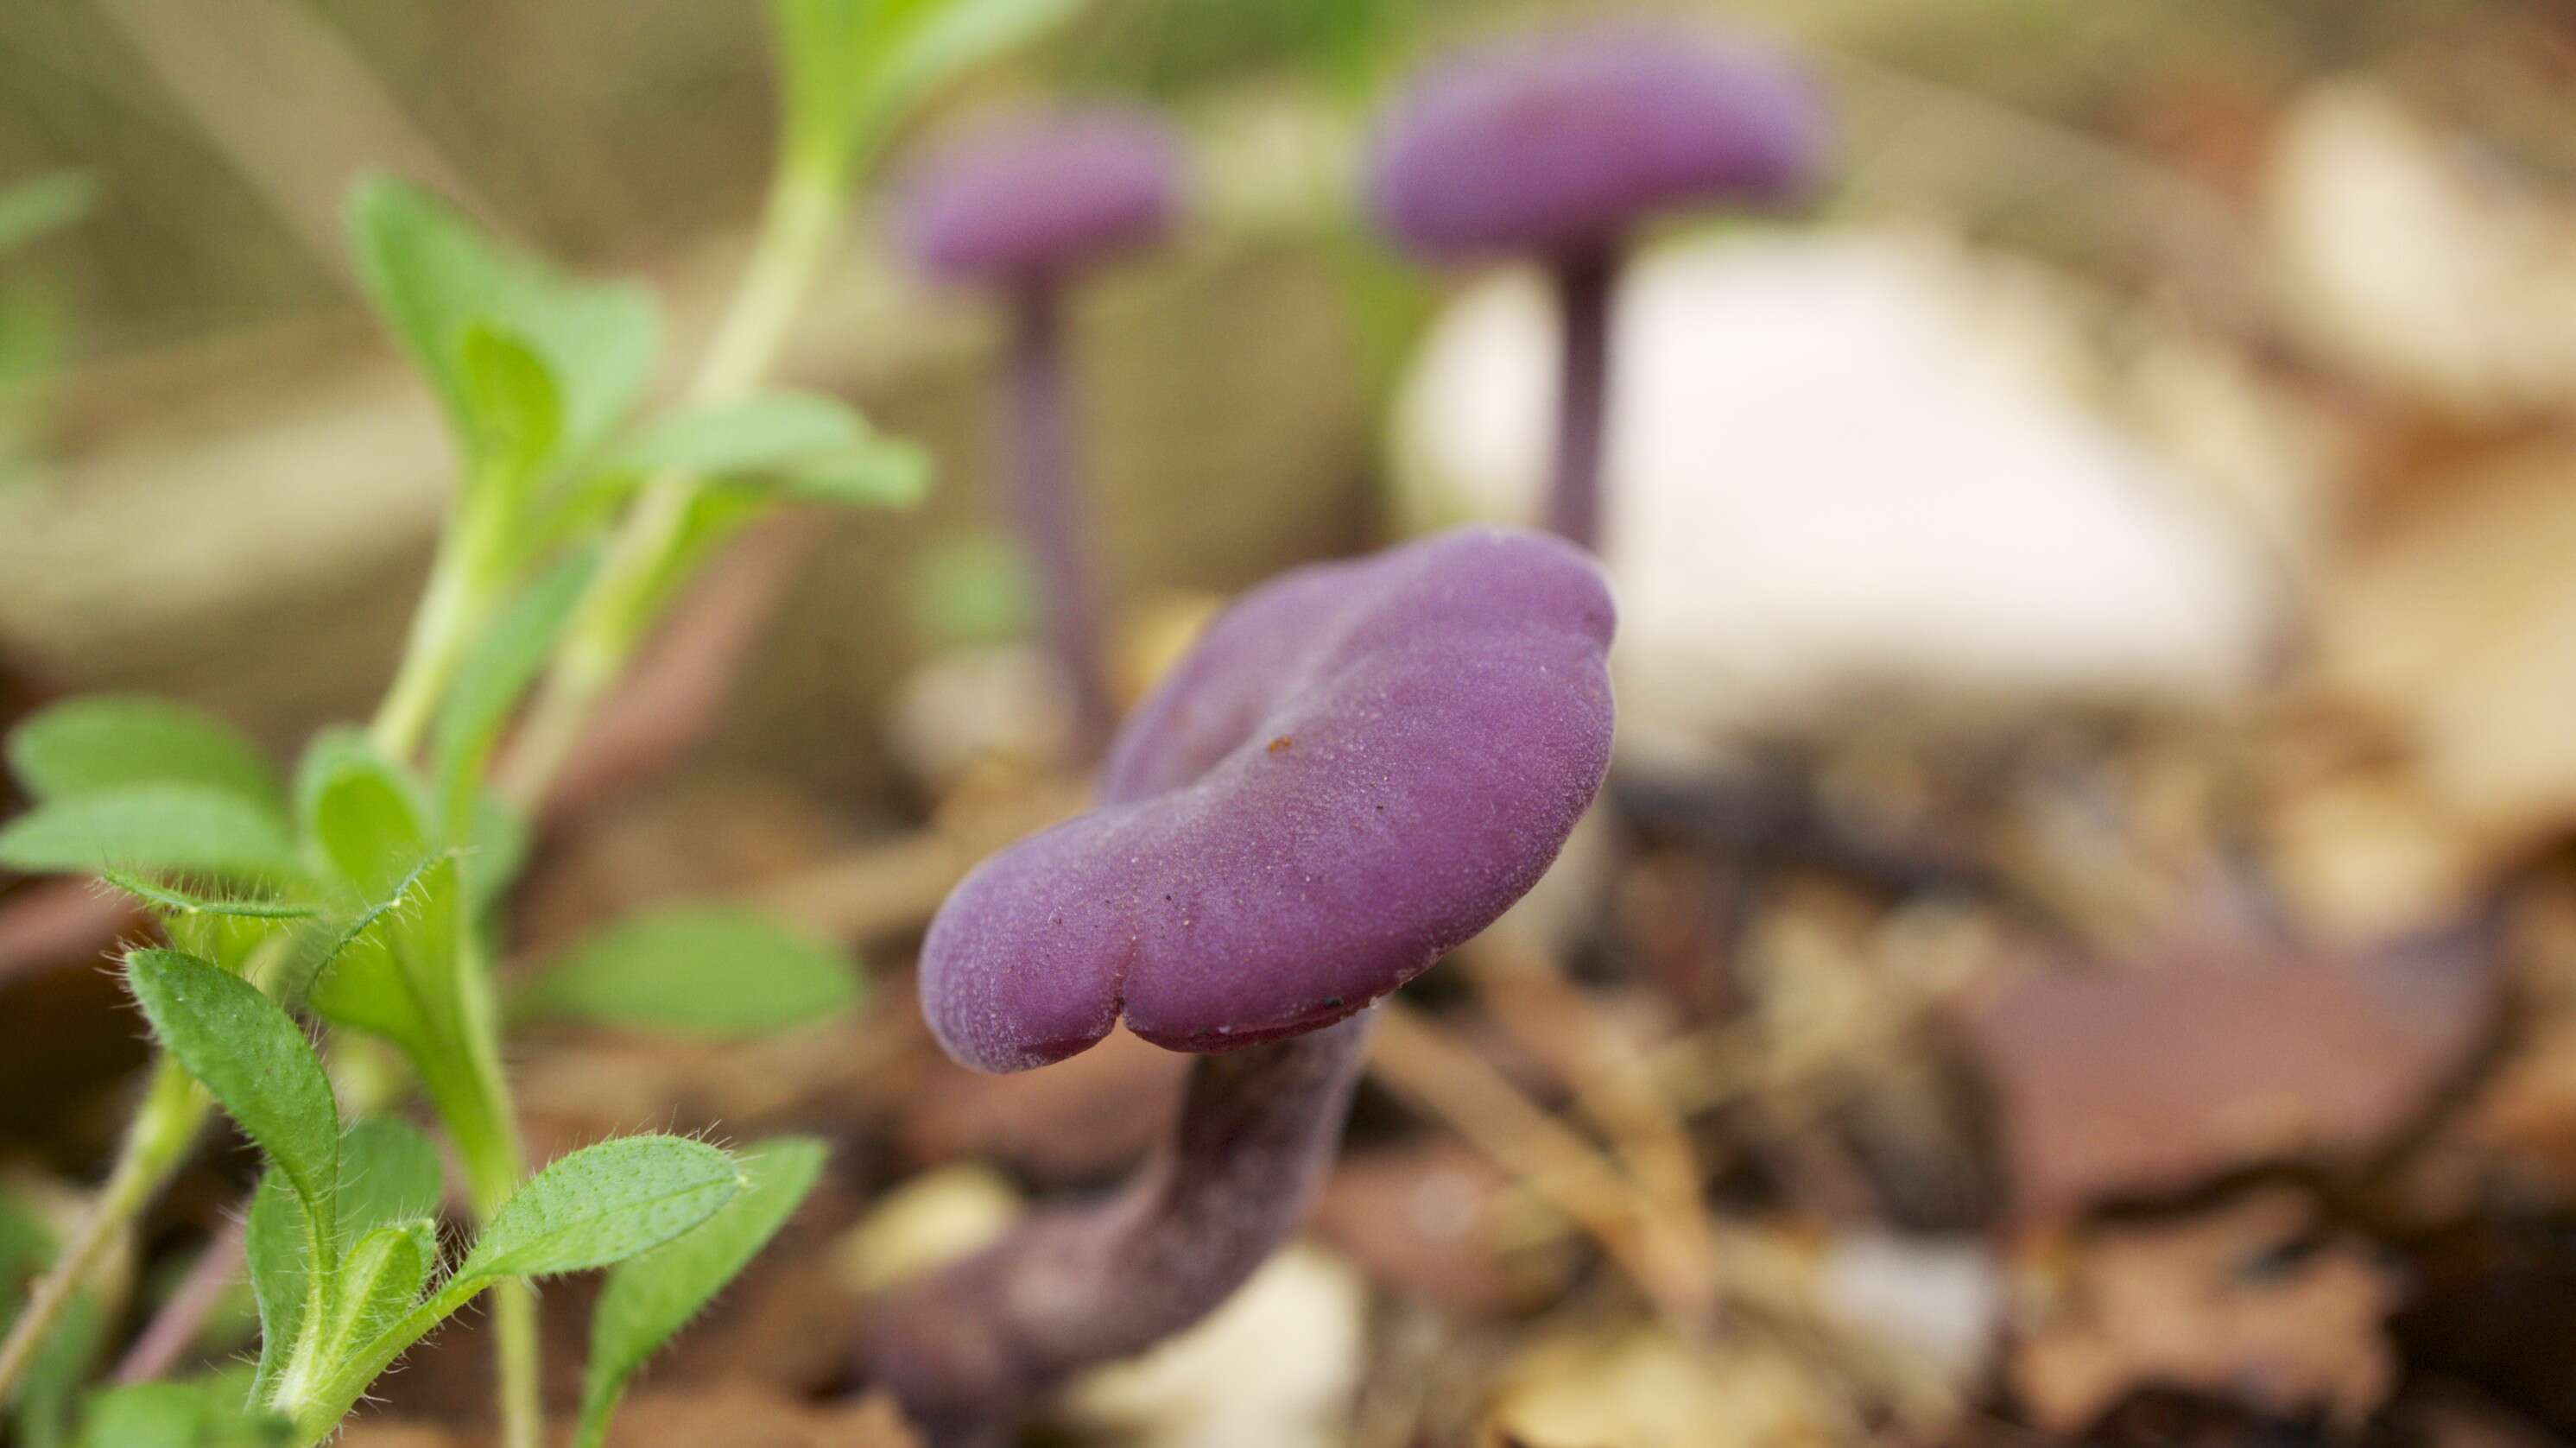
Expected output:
(2459, 625)
(2132, 1082)
(2244, 1302)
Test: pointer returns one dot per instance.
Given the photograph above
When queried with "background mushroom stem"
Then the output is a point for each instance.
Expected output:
(1045, 503)
(1585, 279)
(964, 1349)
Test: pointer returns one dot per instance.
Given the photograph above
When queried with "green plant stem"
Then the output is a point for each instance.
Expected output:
(472, 1096)
(797, 225)
(455, 602)
(437, 641)
(164, 1128)
(592, 1431)
(319, 1417)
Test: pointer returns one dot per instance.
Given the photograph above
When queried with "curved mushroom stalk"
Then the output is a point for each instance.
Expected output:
(964, 1348)
(1357, 768)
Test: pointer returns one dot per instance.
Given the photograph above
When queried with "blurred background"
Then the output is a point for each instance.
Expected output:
(2080, 944)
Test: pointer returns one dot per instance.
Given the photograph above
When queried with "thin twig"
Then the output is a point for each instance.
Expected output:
(1614, 1085)
(1428, 1067)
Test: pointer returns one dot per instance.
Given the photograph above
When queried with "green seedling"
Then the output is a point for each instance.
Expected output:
(362, 893)
(344, 1252)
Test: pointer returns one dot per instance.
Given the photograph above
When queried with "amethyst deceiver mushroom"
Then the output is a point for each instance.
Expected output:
(1359, 767)
(1024, 207)
(1555, 148)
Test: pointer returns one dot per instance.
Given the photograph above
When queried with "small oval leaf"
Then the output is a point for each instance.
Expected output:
(109, 742)
(279, 1251)
(720, 971)
(652, 1297)
(255, 1059)
(362, 814)
(379, 1282)
(602, 1204)
(153, 828)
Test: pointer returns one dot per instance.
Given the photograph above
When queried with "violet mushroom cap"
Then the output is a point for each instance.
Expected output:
(1559, 143)
(1360, 766)
(1039, 195)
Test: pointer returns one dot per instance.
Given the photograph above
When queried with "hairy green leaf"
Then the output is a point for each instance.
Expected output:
(177, 900)
(698, 970)
(278, 1248)
(434, 276)
(253, 1056)
(106, 743)
(236, 942)
(380, 1280)
(650, 1298)
(394, 973)
(388, 1176)
(158, 828)
(244, 932)
(599, 1205)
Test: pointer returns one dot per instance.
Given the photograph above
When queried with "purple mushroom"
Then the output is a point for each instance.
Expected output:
(1024, 206)
(1555, 148)
(1359, 767)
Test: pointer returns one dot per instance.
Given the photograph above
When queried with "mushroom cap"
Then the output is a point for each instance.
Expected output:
(1561, 142)
(1359, 767)
(1041, 194)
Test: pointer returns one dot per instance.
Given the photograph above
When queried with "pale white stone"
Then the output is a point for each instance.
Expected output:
(1836, 484)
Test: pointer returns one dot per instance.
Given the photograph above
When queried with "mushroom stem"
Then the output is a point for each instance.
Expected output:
(965, 1348)
(1046, 503)
(1584, 283)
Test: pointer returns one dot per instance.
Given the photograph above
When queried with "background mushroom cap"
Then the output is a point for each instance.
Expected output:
(1565, 140)
(1040, 194)
(1359, 767)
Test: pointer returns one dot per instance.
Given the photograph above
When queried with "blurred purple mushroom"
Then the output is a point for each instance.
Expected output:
(1360, 767)
(1025, 206)
(1556, 147)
